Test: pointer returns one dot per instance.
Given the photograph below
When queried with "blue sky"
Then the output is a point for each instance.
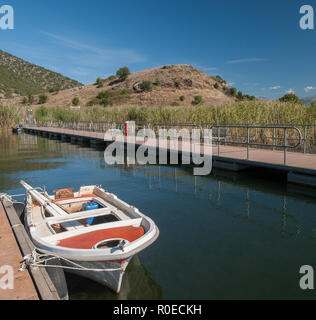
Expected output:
(257, 46)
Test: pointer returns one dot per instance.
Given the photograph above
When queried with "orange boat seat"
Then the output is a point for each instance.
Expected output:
(90, 239)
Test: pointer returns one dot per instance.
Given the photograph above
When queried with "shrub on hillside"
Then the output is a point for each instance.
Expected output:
(123, 73)
(197, 100)
(54, 90)
(146, 86)
(42, 99)
(104, 98)
(75, 101)
(216, 85)
(177, 84)
(99, 83)
(30, 99)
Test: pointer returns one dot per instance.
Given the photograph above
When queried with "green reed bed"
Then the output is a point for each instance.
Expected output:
(9, 116)
(259, 113)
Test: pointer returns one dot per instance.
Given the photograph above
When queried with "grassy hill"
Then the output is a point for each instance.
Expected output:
(20, 78)
(174, 85)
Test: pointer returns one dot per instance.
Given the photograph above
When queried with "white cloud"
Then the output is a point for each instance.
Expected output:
(206, 69)
(91, 56)
(275, 88)
(309, 88)
(238, 61)
(290, 91)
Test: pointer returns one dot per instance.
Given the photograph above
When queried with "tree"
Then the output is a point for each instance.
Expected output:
(104, 98)
(290, 97)
(75, 101)
(233, 92)
(99, 83)
(42, 99)
(123, 73)
(216, 85)
(240, 96)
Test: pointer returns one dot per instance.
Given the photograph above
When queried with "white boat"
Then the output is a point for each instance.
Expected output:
(94, 233)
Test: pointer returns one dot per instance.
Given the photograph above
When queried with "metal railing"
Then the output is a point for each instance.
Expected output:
(283, 137)
(247, 139)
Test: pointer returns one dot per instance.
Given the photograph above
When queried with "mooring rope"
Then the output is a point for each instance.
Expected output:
(39, 259)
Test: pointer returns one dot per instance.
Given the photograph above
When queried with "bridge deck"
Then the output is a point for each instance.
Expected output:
(296, 161)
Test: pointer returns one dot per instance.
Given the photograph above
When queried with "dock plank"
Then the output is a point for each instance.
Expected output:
(10, 255)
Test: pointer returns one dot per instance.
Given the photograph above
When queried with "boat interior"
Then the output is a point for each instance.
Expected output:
(88, 219)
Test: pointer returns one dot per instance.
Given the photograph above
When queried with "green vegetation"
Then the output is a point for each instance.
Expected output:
(111, 78)
(30, 99)
(198, 100)
(175, 104)
(290, 97)
(54, 90)
(106, 98)
(233, 92)
(42, 99)
(177, 84)
(9, 116)
(146, 86)
(216, 85)
(20, 77)
(75, 101)
(123, 73)
(254, 112)
(99, 83)
(157, 82)
(182, 98)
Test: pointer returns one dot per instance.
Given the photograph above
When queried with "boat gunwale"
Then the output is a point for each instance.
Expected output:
(131, 249)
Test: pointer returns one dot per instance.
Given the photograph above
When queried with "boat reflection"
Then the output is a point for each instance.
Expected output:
(137, 285)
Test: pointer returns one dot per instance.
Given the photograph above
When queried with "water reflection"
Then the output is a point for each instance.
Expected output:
(226, 236)
(137, 285)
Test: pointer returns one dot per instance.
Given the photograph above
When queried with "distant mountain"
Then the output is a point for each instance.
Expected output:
(309, 100)
(19, 78)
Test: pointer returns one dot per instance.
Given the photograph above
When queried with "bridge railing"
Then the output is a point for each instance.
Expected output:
(253, 136)
(285, 137)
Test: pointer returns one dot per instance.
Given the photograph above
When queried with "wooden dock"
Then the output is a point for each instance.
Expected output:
(300, 167)
(33, 284)
(10, 255)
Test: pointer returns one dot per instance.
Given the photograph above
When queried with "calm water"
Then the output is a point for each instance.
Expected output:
(222, 237)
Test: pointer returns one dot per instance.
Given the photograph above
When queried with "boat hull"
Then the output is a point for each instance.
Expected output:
(109, 278)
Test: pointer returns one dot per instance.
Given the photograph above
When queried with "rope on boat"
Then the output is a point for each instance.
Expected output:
(39, 258)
